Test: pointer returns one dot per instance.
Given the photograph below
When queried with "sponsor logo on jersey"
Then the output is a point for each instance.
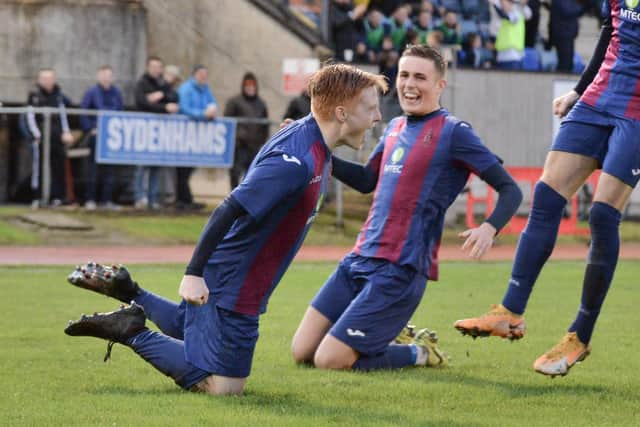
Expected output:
(630, 14)
(397, 155)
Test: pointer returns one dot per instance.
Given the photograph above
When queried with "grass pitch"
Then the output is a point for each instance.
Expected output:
(51, 379)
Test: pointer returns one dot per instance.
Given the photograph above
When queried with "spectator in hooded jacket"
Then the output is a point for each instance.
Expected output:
(249, 136)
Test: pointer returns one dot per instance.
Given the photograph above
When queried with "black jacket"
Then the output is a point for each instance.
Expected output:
(248, 134)
(38, 97)
(148, 84)
(563, 19)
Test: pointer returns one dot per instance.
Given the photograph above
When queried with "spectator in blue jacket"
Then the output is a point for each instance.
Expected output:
(198, 102)
(103, 96)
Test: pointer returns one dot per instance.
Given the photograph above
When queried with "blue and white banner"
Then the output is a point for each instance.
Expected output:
(164, 140)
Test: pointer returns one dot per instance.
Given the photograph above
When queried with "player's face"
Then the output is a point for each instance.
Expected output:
(361, 116)
(419, 85)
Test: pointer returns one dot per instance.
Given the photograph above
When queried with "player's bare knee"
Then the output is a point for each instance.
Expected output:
(220, 386)
(301, 354)
(326, 360)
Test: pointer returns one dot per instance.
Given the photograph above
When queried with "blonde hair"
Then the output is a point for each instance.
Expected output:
(339, 84)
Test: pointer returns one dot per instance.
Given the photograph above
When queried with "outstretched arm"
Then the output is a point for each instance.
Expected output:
(362, 178)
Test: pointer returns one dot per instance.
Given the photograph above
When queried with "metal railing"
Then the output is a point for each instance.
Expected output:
(48, 112)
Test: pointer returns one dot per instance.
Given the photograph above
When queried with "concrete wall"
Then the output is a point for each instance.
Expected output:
(73, 37)
(511, 111)
(231, 37)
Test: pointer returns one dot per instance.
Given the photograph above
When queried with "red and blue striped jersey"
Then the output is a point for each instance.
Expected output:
(422, 164)
(616, 87)
(282, 192)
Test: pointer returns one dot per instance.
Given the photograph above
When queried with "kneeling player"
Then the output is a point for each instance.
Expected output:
(417, 170)
(208, 340)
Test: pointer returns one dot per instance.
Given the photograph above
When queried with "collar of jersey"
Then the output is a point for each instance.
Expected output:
(428, 116)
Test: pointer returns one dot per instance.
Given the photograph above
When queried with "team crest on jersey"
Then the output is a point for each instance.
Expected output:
(427, 137)
(397, 155)
(632, 4)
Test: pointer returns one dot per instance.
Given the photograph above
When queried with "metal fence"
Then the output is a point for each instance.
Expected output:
(48, 112)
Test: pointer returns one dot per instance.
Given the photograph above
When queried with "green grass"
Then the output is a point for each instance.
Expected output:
(51, 379)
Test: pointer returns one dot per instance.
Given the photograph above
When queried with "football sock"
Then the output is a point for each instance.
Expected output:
(395, 356)
(604, 221)
(535, 246)
(168, 315)
(166, 354)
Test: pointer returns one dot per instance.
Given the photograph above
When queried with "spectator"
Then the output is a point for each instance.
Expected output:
(375, 30)
(362, 55)
(102, 96)
(299, 106)
(47, 93)
(509, 21)
(342, 24)
(249, 136)
(532, 24)
(399, 25)
(423, 25)
(153, 95)
(434, 39)
(449, 29)
(563, 30)
(474, 55)
(388, 60)
(173, 78)
(196, 101)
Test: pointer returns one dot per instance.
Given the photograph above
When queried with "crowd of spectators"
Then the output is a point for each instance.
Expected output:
(480, 33)
(159, 90)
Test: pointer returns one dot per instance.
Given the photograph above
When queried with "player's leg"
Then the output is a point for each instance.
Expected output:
(575, 154)
(221, 342)
(127, 326)
(361, 336)
(612, 194)
(115, 281)
(325, 309)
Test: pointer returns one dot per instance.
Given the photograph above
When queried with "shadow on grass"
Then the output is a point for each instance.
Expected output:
(514, 389)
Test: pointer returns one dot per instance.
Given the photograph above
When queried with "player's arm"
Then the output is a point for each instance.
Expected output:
(469, 150)
(281, 174)
(192, 288)
(563, 104)
(362, 178)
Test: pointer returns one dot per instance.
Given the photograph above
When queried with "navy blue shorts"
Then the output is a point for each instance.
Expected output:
(369, 301)
(218, 340)
(613, 141)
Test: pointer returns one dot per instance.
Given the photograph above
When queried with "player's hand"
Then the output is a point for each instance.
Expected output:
(478, 240)
(194, 290)
(285, 123)
(562, 104)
